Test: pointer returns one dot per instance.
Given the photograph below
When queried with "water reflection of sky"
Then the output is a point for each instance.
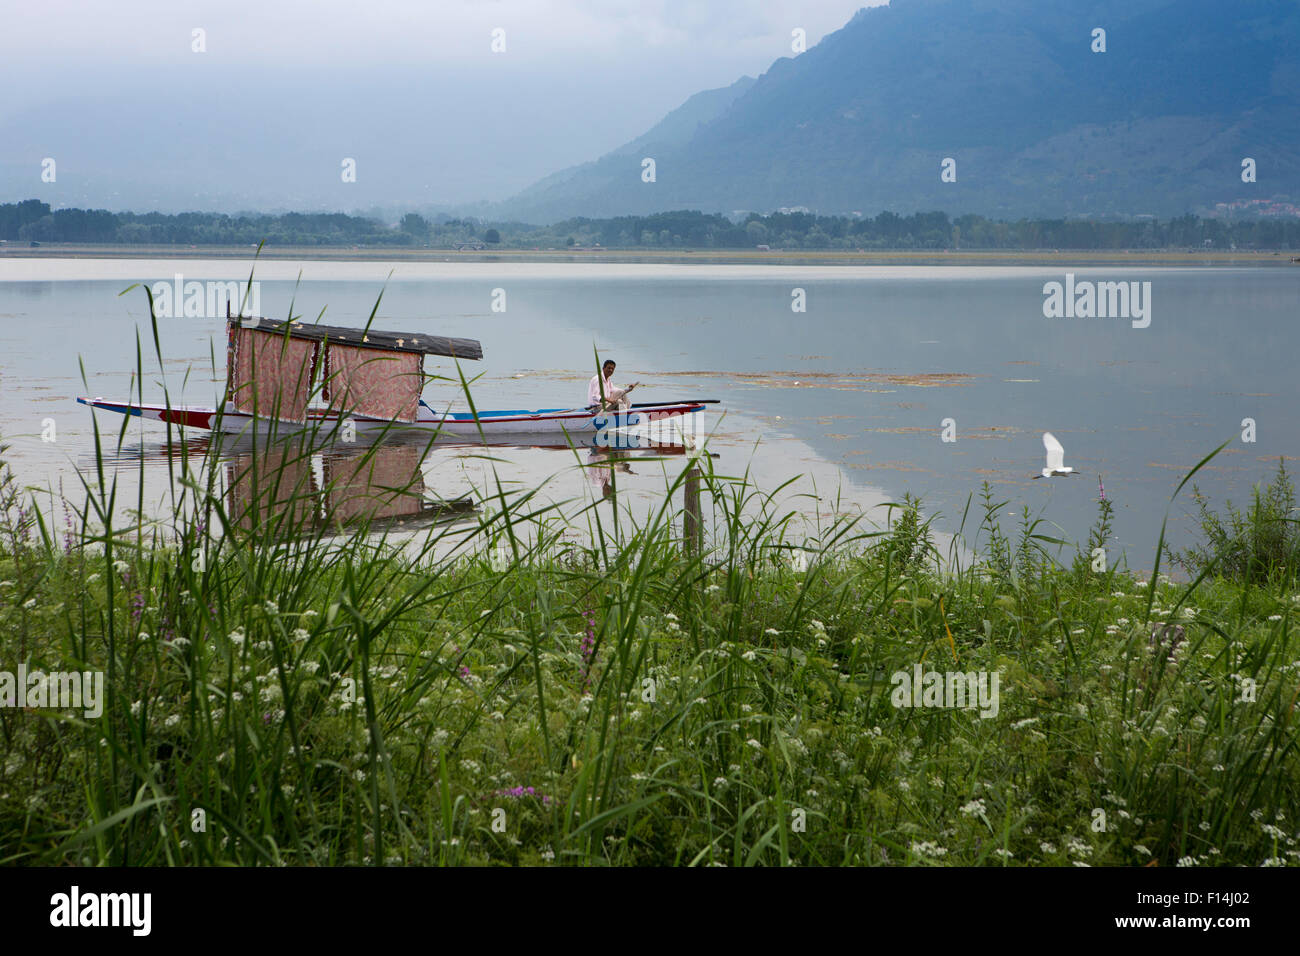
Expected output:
(852, 392)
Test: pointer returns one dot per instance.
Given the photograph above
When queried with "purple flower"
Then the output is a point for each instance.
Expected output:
(519, 793)
(24, 525)
(588, 648)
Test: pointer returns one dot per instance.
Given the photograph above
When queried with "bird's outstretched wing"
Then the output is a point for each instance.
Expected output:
(1055, 452)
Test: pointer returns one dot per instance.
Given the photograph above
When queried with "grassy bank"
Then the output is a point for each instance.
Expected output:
(281, 691)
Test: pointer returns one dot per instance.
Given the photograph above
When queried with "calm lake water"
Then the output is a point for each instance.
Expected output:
(852, 393)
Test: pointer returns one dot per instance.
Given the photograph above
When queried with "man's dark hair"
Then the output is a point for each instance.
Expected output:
(609, 362)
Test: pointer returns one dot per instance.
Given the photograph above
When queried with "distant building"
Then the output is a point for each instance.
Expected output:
(764, 248)
(1258, 207)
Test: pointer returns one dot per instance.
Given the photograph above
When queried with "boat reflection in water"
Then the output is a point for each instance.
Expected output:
(604, 465)
(289, 488)
(287, 493)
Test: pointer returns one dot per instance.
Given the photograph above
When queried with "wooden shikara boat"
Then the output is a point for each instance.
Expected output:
(283, 376)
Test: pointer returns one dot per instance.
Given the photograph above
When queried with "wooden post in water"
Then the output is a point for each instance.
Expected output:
(691, 525)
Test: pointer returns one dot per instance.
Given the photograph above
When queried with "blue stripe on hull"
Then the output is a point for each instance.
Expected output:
(112, 407)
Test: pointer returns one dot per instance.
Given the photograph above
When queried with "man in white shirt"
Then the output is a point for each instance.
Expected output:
(605, 395)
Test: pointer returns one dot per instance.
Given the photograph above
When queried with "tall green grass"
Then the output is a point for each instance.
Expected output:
(1261, 543)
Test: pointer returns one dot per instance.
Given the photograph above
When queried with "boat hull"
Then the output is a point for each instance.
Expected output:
(547, 421)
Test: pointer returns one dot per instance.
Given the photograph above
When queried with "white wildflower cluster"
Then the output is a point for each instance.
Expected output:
(974, 808)
(926, 848)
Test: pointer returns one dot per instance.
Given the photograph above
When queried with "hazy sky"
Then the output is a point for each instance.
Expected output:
(137, 119)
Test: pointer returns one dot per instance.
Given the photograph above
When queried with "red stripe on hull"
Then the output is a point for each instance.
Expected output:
(186, 419)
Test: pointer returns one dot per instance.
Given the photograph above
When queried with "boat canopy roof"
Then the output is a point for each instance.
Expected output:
(416, 342)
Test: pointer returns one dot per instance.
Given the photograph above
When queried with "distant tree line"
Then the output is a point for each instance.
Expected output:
(924, 230)
(33, 220)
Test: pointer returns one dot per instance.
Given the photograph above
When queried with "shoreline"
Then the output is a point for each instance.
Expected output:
(1200, 259)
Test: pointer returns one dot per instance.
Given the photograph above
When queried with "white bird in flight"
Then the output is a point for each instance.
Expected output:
(1056, 466)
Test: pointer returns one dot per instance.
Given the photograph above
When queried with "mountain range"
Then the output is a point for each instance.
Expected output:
(1030, 109)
